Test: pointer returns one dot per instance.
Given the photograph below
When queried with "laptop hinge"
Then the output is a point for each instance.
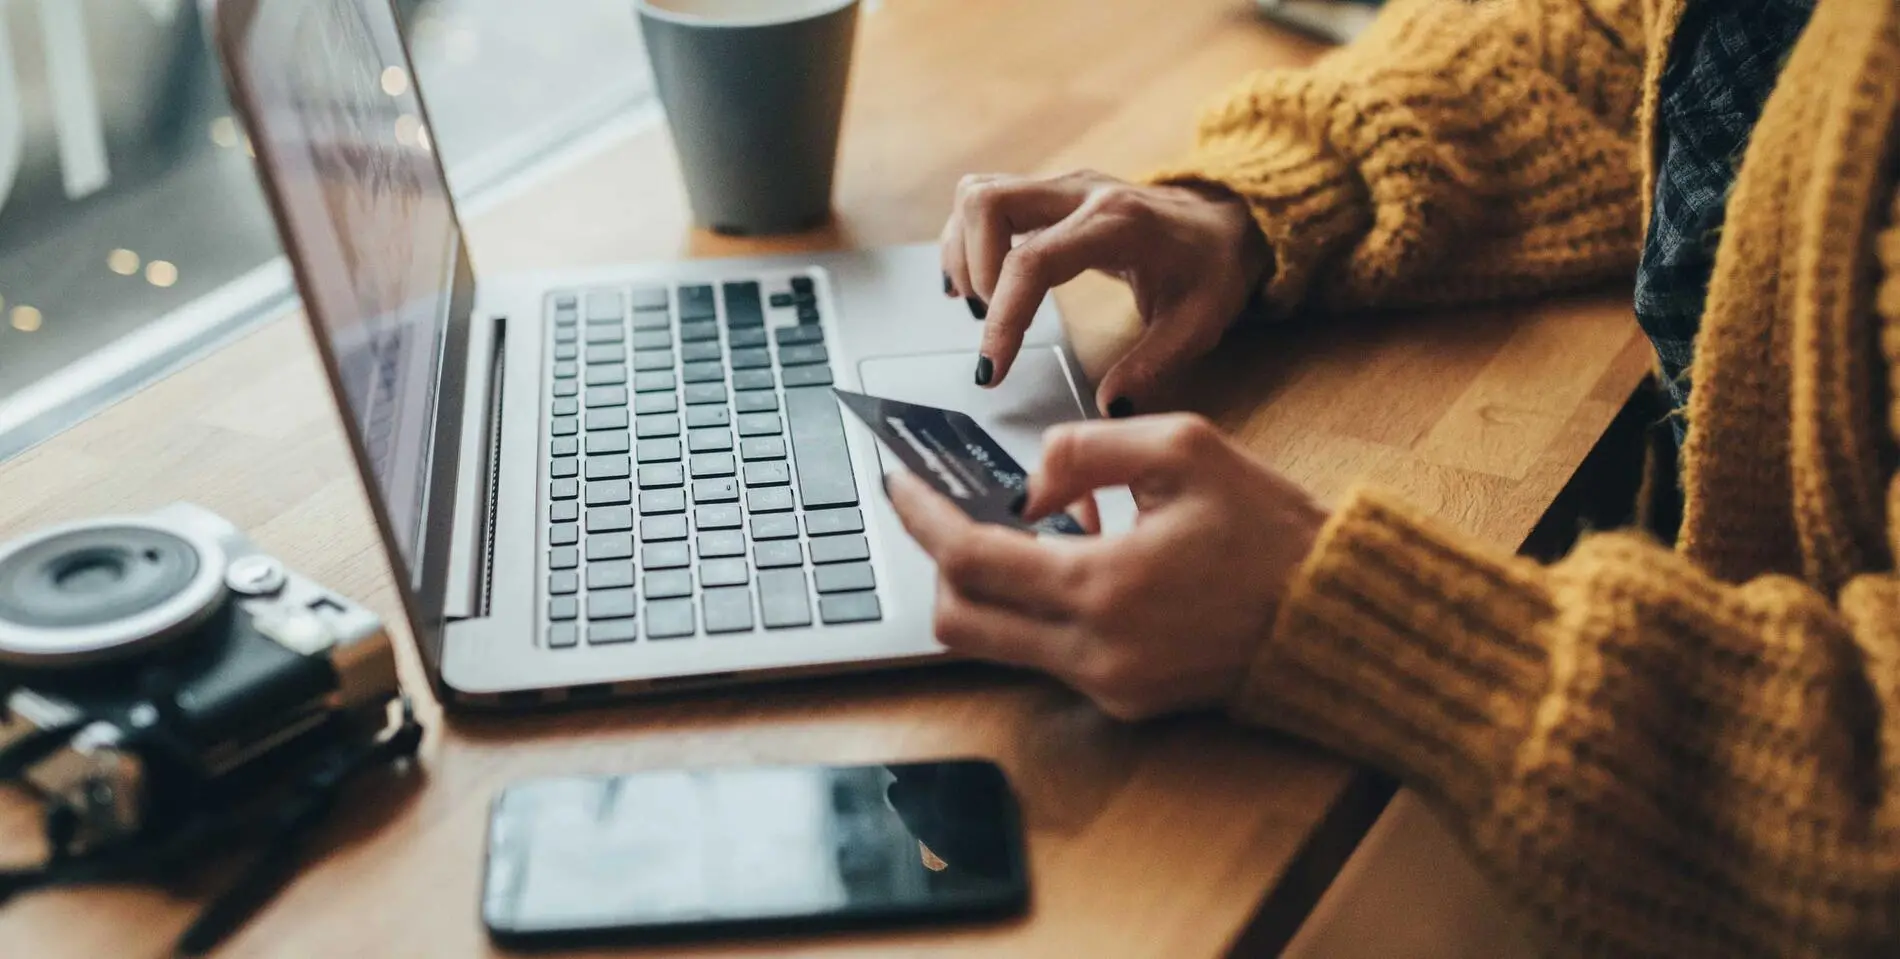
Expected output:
(475, 496)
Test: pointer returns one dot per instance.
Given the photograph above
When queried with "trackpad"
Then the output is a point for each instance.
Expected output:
(1036, 396)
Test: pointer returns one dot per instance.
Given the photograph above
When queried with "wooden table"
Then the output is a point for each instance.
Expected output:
(1187, 837)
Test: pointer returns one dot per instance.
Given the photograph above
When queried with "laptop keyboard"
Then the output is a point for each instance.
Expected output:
(699, 481)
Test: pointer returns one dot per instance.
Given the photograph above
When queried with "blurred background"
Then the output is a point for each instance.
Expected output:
(132, 232)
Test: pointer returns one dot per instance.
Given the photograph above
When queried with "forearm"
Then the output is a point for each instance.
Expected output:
(1652, 761)
(1458, 152)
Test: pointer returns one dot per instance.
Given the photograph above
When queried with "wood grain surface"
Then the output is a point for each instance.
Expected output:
(1154, 840)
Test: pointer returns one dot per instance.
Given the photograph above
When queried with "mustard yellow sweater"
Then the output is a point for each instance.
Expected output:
(1687, 753)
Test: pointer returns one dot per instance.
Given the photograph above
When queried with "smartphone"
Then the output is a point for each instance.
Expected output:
(688, 853)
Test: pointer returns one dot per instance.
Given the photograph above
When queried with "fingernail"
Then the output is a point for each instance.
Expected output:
(949, 288)
(1121, 407)
(985, 370)
(1021, 500)
(978, 308)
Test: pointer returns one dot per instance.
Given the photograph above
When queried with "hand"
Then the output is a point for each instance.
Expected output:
(1166, 617)
(1192, 258)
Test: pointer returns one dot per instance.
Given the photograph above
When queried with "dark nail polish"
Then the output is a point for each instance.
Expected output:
(1121, 407)
(949, 288)
(985, 370)
(978, 308)
(1021, 500)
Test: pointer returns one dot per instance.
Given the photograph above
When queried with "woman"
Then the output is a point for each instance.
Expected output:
(1683, 752)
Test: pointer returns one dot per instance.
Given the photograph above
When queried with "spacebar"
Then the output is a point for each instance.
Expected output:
(824, 462)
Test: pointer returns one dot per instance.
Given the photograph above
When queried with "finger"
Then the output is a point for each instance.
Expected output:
(1080, 243)
(991, 563)
(1088, 514)
(1174, 336)
(984, 631)
(1151, 455)
(996, 210)
(950, 249)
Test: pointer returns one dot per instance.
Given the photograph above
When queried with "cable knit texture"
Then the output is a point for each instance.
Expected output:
(1687, 753)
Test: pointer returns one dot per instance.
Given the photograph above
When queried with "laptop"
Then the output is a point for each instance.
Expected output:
(604, 482)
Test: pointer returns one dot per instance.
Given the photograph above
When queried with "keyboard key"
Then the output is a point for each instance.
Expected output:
(612, 604)
(808, 314)
(762, 448)
(563, 512)
(609, 467)
(652, 340)
(775, 527)
(727, 610)
(612, 631)
(606, 374)
(654, 360)
(609, 546)
(605, 333)
(667, 583)
(743, 305)
(849, 608)
(609, 419)
(670, 619)
(606, 396)
(603, 305)
(768, 474)
(565, 301)
(652, 322)
(751, 359)
(657, 426)
(702, 417)
(564, 534)
(649, 403)
(606, 353)
(824, 461)
(662, 475)
(654, 529)
(752, 380)
(721, 543)
(724, 572)
(655, 382)
(609, 493)
(566, 406)
(566, 387)
(798, 335)
(564, 445)
(844, 578)
(701, 352)
(839, 549)
(755, 401)
(783, 602)
(802, 285)
(676, 555)
(781, 552)
(707, 371)
(656, 501)
(721, 490)
(772, 499)
(796, 376)
(759, 424)
(696, 302)
(699, 394)
(564, 467)
(566, 369)
(709, 465)
(563, 636)
(606, 442)
(566, 334)
(725, 516)
(649, 298)
(657, 451)
(803, 355)
(563, 582)
(565, 426)
(831, 522)
(564, 488)
(564, 557)
(566, 351)
(699, 332)
(610, 519)
(746, 337)
(617, 574)
(709, 441)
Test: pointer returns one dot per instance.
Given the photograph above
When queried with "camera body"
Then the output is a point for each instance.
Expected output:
(154, 664)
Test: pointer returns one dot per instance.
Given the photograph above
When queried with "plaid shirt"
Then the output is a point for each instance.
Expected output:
(1725, 58)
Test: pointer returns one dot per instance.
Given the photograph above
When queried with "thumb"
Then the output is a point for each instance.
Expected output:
(1172, 338)
(1080, 458)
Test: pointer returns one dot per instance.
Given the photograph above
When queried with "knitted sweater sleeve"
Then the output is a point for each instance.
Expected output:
(1457, 152)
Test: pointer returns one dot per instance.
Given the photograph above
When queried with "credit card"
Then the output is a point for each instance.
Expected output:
(956, 456)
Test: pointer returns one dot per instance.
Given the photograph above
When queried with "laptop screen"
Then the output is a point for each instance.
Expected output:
(363, 205)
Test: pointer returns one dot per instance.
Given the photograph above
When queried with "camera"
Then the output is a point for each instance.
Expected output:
(157, 666)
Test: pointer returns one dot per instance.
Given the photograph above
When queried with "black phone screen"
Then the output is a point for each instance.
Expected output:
(684, 850)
